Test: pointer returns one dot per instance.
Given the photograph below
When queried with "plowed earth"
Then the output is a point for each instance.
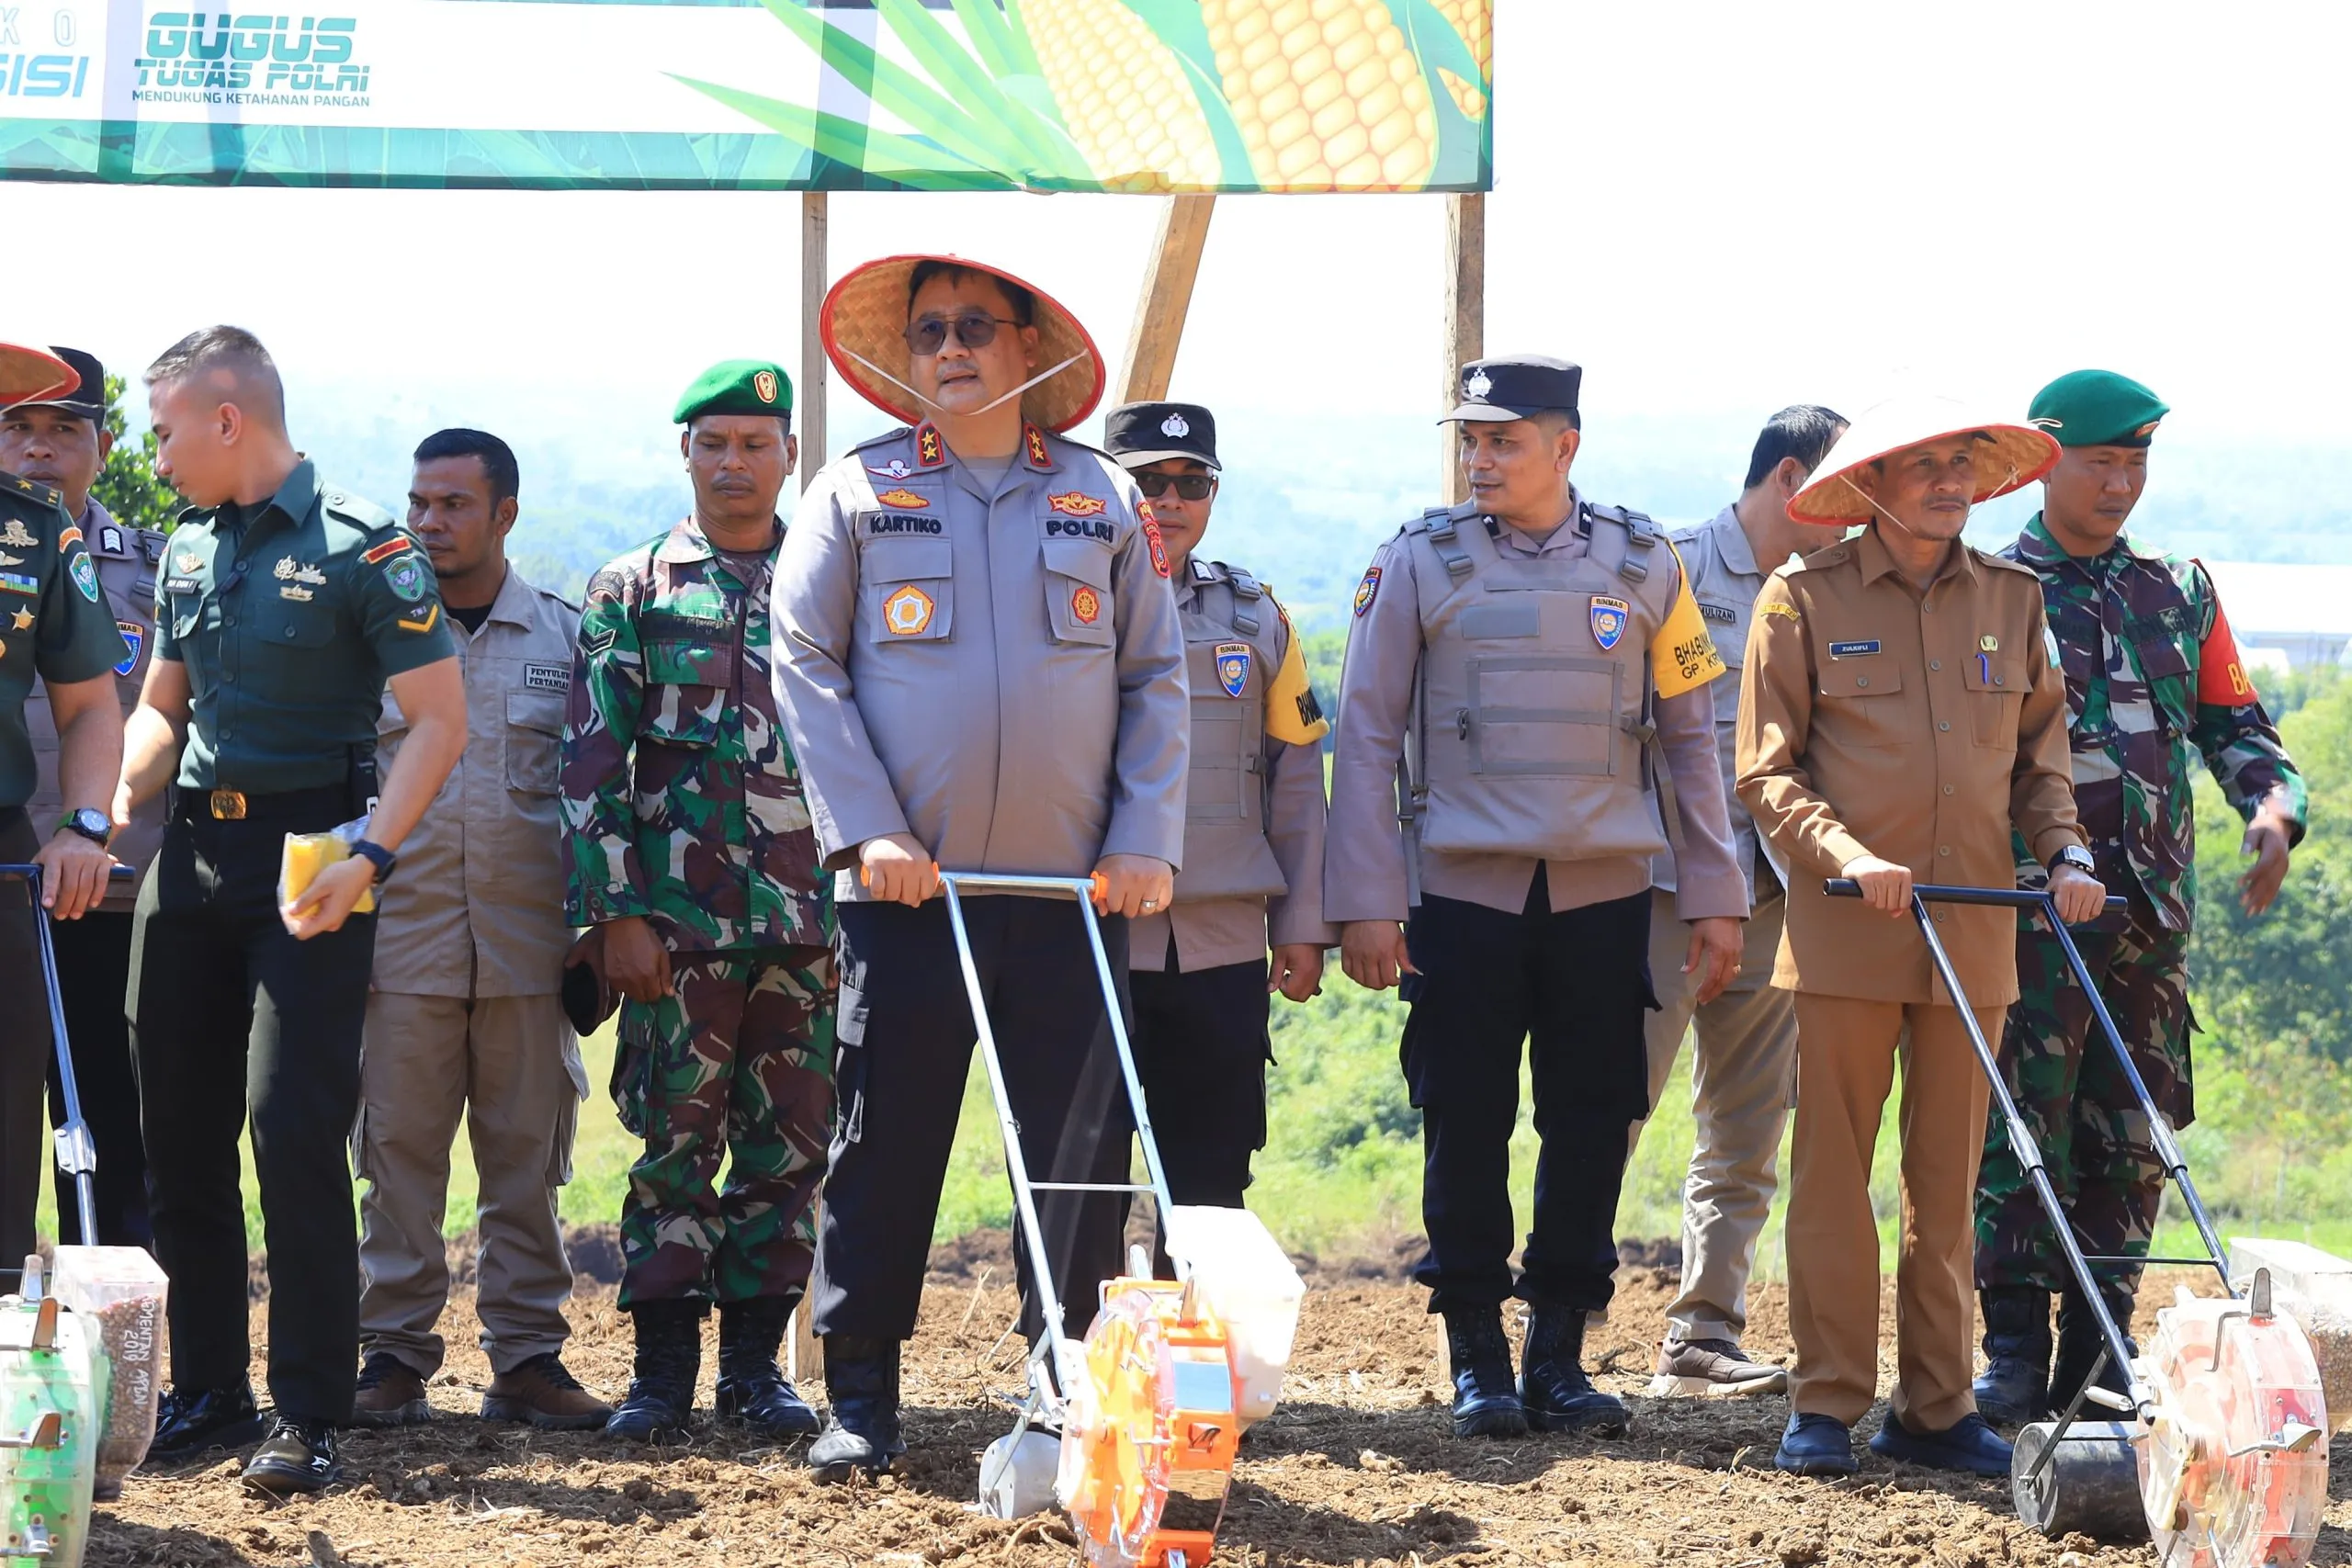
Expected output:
(1358, 1467)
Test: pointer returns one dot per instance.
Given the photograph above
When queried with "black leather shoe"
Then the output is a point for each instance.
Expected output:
(1553, 1387)
(2080, 1341)
(752, 1390)
(297, 1456)
(669, 1360)
(1816, 1445)
(862, 1435)
(1967, 1445)
(2016, 1354)
(189, 1423)
(1486, 1400)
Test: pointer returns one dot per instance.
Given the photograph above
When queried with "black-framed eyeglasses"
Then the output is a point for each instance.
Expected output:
(1192, 487)
(926, 335)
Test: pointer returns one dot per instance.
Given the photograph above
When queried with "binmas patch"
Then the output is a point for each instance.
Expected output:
(1609, 618)
(1233, 667)
(134, 637)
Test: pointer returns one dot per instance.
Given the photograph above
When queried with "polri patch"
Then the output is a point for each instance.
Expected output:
(1853, 649)
(134, 637)
(1368, 589)
(1610, 617)
(1233, 667)
(548, 677)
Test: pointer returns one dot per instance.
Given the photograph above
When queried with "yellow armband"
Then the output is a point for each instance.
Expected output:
(1683, 657)
(1292, 715)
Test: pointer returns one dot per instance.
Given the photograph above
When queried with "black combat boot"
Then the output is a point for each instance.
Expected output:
(751, 1388)
(2080, 1341)
(862, 1425)
(1485, 1402)
(669, 1360)
(2016, 1354)
(1552, 1387)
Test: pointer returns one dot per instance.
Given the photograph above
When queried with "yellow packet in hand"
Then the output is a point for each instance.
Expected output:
(307, 855)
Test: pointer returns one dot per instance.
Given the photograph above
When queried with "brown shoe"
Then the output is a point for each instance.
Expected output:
(391, 1394)
(1711, 1368)
(542, 1393)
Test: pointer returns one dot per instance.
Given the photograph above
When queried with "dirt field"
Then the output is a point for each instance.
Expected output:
(1357, 1468)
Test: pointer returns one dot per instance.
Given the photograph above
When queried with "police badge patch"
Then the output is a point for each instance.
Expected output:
(1368, 588)
(1608, 618)
(134, 637)
(1233, 667)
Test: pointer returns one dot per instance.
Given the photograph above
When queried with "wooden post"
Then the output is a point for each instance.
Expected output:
(809, 411)
(1464, 322)
(803, 1357)
(1166, 294)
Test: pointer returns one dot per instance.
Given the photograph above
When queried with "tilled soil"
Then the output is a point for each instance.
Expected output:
(1359, 1467)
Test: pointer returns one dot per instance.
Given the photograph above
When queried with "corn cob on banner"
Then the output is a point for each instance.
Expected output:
(1123, 95)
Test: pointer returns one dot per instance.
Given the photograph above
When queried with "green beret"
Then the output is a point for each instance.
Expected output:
(2097, 408)
(737, 386)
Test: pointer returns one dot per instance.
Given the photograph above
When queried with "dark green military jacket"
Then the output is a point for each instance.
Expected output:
(54, 621)
(290, 618)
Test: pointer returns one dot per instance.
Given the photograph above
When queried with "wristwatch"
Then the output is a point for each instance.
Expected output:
(2076, 856)
(90, 822)
(377, 855)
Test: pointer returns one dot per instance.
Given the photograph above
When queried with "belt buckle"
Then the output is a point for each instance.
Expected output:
(228, 805)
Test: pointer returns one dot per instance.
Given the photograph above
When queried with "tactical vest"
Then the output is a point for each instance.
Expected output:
(1231, 653)
(1531, 710)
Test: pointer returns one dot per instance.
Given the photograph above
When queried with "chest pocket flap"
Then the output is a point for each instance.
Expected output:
(686, 686)
(1077, 591)
(534, 742)
(1997, 687)
(909, 588)
(1861, 678)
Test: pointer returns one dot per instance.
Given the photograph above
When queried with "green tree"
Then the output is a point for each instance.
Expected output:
(128, 485)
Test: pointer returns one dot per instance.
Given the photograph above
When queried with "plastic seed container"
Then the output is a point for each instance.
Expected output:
(120, 1293)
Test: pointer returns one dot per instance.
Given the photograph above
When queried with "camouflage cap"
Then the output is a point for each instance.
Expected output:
(2097, 408)
(737, 386)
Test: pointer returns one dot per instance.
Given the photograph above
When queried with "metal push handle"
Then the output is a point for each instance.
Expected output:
(77, 1153)
(2022, 1138)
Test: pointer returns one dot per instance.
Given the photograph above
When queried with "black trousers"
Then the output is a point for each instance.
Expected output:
(1573, 985)
(231, 1017)
(905, 1048)
(24, 1050)
(1202, 1049)
(94, 972)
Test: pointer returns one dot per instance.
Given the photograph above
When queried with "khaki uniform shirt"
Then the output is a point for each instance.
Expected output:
(1209, 932)
(994, 667)
(125, 560)
(1920, 728)
(1364, 872)
(475, 907)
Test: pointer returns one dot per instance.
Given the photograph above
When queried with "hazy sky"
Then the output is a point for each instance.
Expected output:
(1717, 208)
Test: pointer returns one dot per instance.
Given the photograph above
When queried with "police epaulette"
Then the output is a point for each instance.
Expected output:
(46, 495)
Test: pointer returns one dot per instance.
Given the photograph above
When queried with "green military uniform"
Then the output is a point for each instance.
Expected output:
(684, 807)
(289, 617)
(2155, 691)
(54, 623)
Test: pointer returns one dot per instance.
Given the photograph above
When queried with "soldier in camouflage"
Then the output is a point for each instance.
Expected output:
(2154, 688)
(693, 856)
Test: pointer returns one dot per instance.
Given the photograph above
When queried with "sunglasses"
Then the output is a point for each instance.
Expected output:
(1192, 487)
(927, 336)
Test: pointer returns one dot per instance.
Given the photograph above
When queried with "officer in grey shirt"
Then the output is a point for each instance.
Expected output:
(980, 662)
(1743, 1077)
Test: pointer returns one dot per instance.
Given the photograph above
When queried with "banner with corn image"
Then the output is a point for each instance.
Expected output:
(1121, 95)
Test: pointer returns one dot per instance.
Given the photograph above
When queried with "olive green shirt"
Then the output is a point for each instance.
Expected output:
(55, 619)
(289, 617)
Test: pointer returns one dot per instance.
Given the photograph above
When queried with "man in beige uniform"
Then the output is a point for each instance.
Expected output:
(1743, 1069)
(463, 1015)
(1253, 832)
(64, 442)
(1903, 715)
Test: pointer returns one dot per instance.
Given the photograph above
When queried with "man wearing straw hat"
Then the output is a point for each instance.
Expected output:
(1903, 715)
(54, 623)
(979, 659)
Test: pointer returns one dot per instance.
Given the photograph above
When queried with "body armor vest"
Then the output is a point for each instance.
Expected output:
(1231, 640)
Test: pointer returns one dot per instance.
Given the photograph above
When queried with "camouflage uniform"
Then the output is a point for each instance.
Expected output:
(2131, 628)
(685, 806)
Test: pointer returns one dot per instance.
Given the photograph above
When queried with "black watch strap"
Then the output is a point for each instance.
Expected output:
(377, 855)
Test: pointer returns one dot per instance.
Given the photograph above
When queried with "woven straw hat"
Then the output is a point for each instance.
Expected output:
(2014, 454)
(866, 316)
(27, 375)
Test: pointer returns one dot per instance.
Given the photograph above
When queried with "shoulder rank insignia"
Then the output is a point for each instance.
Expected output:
(110, 539)
(1233, 667)
(931, 452)
(1034, 440)
(1368, 589)
(905, 499)
(1609, 619)
(425, 621)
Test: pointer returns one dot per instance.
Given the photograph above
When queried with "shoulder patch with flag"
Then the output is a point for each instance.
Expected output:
(1683, 657)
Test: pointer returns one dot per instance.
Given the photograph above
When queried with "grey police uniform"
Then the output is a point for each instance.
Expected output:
(993, 663)
(1743, 1078)
(93, 953)
(1549, 676)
